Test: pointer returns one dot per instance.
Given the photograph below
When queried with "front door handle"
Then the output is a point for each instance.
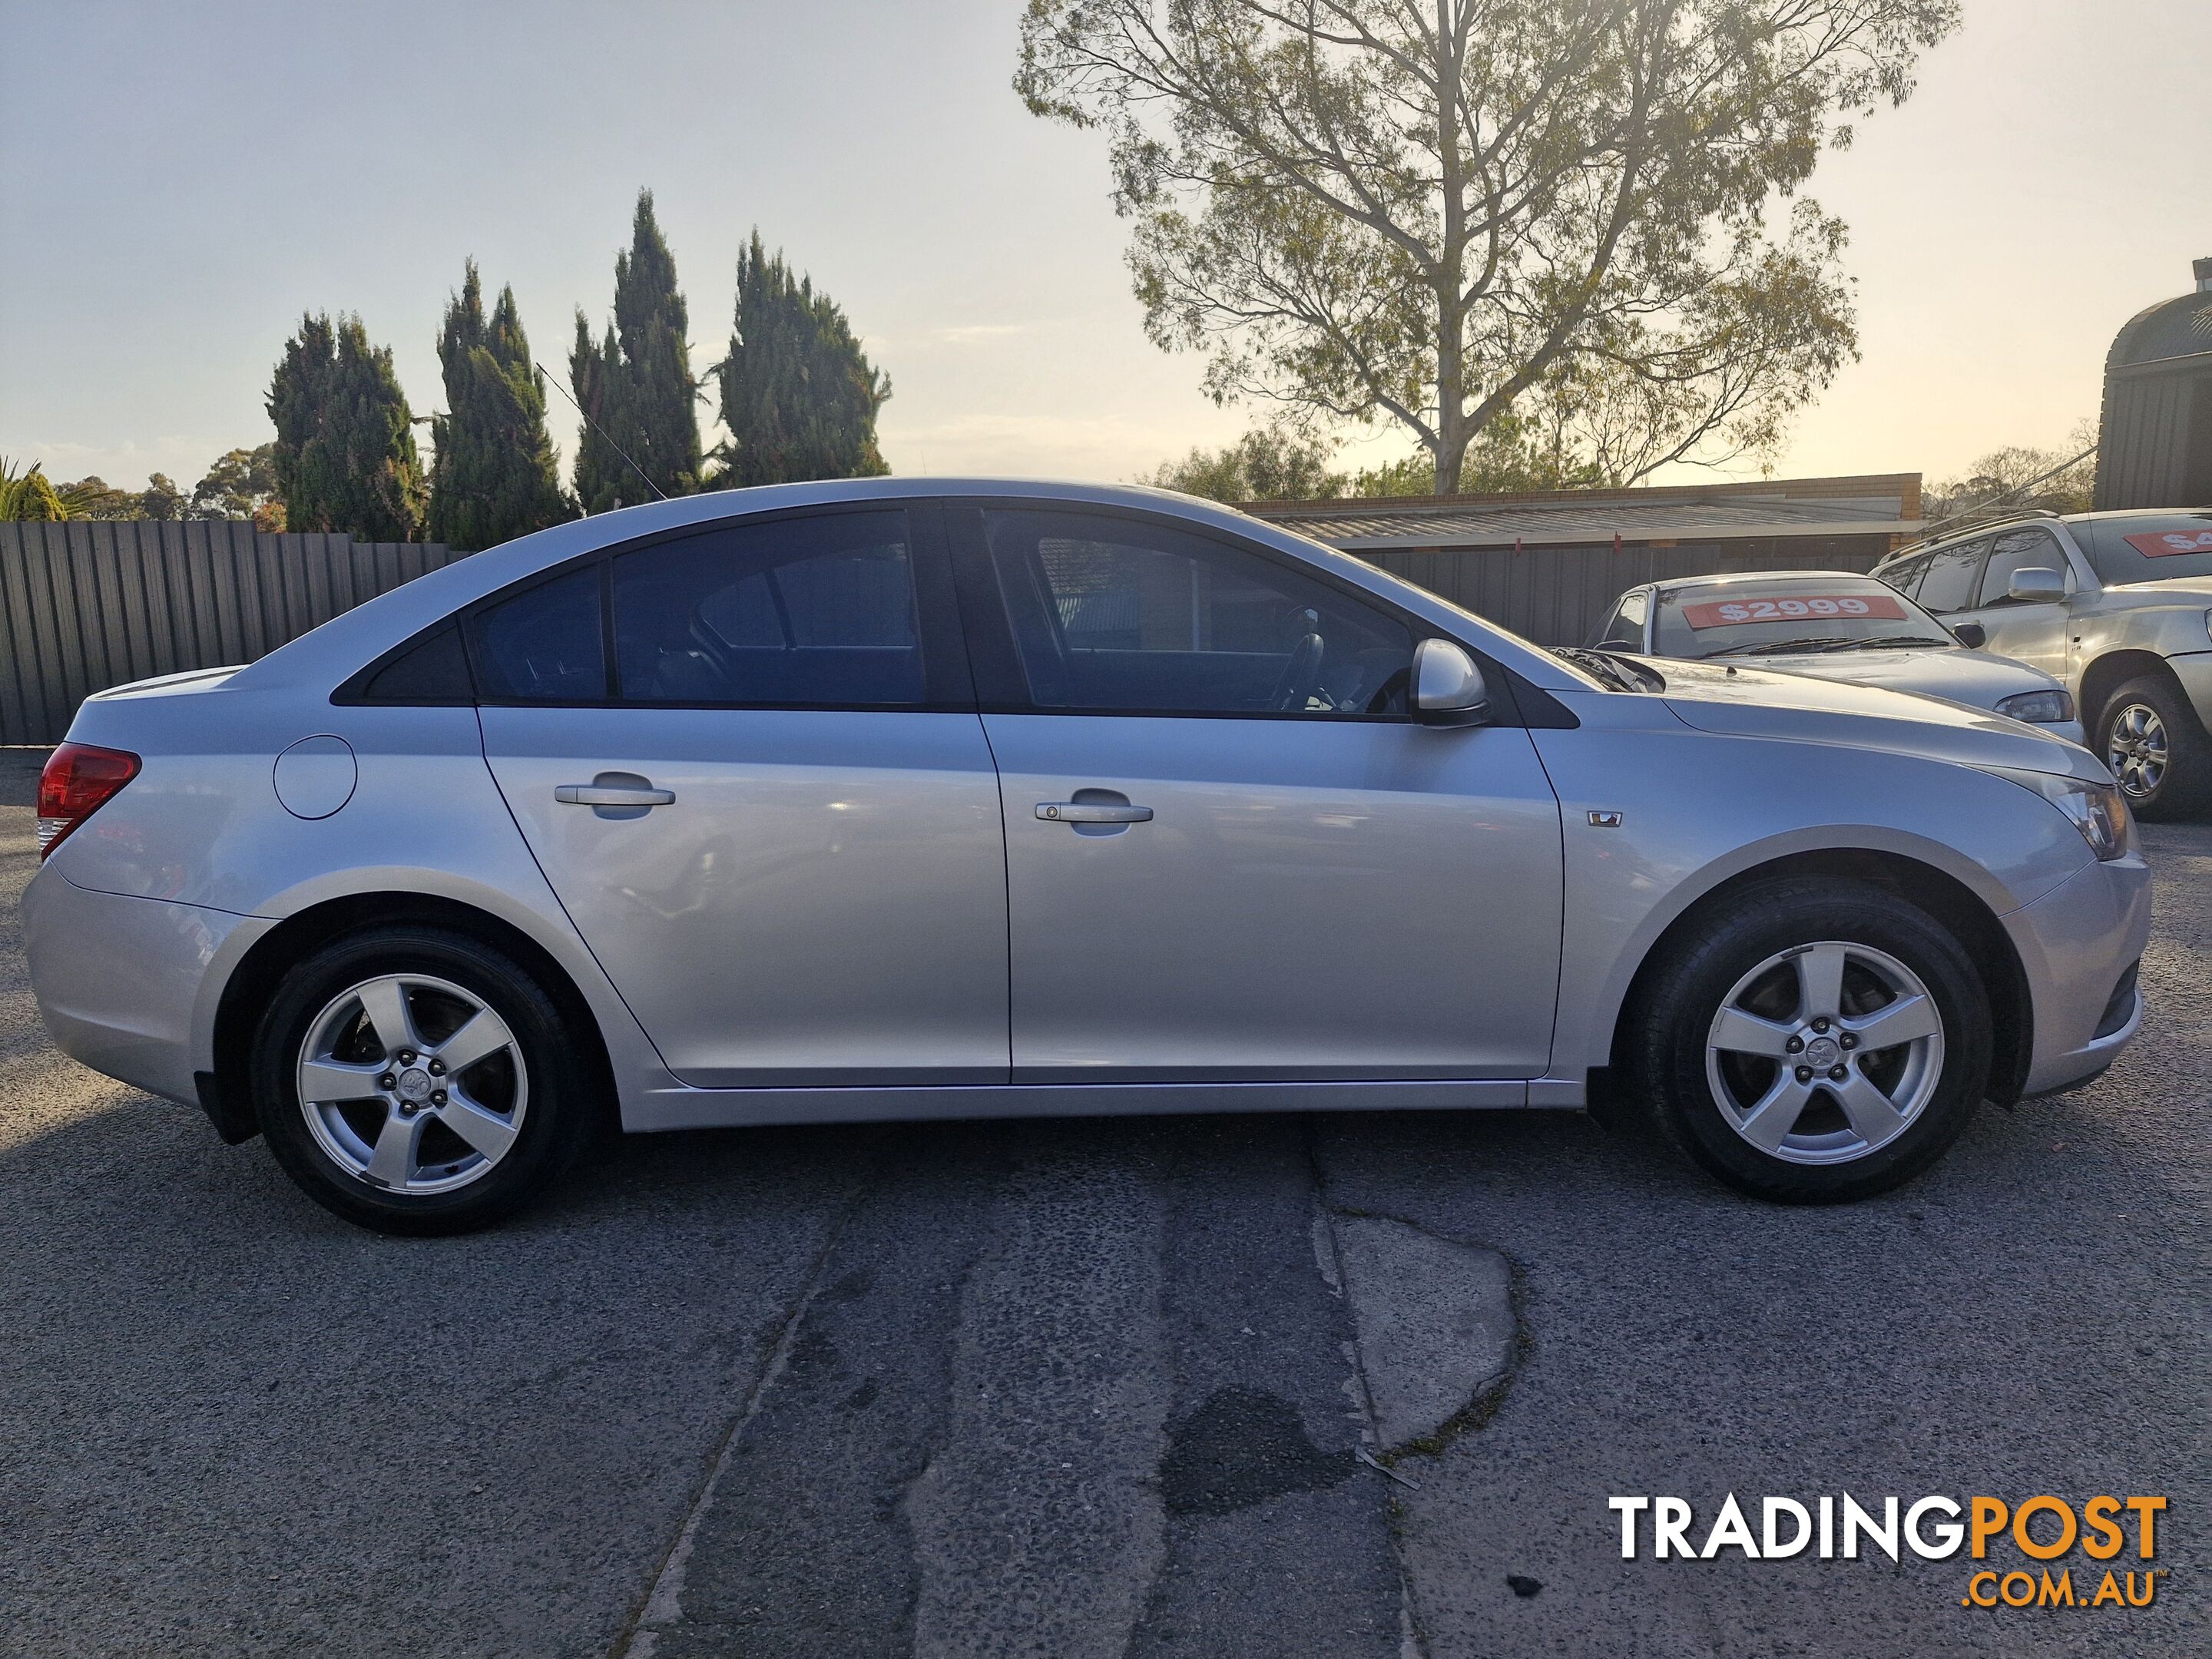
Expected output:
(600, 794)
(1085, 811)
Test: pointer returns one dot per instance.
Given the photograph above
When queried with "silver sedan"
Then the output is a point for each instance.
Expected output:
(937, 798)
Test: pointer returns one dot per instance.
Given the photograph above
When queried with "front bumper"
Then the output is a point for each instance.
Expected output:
(129, 986)
(2075, 944)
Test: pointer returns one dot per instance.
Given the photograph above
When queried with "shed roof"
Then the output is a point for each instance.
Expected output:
(1766, 509)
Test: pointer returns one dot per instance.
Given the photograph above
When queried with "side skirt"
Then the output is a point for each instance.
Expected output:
(680, 1108)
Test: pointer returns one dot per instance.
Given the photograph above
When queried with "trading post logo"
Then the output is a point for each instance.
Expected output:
(2043, 1530)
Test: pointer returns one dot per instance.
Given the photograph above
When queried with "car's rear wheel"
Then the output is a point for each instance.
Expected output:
(415, 1081)
(2157, 748)
(1813, 1041)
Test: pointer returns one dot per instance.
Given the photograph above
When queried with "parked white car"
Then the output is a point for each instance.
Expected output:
(1830, 625)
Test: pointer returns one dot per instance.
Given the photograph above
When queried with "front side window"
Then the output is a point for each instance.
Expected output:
(1117, 614)
(2018, 550)
(1949, 584)
(815, 611)
(543, 644)
(1624, 630)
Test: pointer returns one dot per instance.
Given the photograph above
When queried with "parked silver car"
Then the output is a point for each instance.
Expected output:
(931, 799)
(1834, 626)
(2115, 605)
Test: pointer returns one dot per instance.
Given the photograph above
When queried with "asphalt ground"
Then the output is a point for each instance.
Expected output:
(1079, 1388)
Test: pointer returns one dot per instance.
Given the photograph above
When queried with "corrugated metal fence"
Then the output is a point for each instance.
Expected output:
(1556, 595)
(87, 605)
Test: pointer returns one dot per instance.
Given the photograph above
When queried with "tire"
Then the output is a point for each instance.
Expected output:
(470, 1143)
(1751, 958)
(2158, 748)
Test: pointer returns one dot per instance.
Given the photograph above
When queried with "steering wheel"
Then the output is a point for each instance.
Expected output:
(1301, 675)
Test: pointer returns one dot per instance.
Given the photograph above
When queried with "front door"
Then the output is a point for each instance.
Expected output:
(1230, 853)
(769, 815)
(2034, 632)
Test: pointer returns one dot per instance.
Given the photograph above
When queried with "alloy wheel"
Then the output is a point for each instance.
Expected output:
(411, 1084)
(2136, 748)
(1825, 1053)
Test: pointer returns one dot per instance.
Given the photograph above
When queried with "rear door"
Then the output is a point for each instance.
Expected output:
(1231, 854)
(747, 758)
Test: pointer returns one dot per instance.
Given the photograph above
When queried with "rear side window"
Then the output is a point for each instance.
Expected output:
(1904, 575)
(543, 644)
(1952, 573)
(1133, 616)
(795, 612)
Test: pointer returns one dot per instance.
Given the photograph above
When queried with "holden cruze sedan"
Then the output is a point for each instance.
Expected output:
(932, 799)
(1834, 626)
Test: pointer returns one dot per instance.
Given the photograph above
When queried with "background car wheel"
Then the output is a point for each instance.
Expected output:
(415, 1081)
(2157, 748)
(1814, 1041)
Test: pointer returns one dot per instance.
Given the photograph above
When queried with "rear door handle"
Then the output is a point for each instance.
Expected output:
(1084, 811)
(601, 794)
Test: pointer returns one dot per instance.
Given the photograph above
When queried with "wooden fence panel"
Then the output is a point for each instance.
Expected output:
(87, 605)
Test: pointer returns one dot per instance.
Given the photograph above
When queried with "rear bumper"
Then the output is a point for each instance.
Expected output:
(2076, 944)
(129, 986)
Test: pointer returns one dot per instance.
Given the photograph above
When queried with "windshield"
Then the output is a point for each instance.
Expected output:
(2152, 548)
(1778, 616)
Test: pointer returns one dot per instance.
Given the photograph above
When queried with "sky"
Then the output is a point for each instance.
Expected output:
(178, 183)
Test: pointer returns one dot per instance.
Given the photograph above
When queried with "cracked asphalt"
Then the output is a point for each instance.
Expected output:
(1078, 1387)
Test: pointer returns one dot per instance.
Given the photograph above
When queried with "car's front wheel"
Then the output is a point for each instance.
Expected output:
(2157, 748)
(416, 1080)
(1813, 1041)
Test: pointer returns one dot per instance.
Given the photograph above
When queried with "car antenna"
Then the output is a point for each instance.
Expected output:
(602, 431)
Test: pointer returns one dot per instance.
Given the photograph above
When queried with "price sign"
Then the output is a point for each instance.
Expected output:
(1793, 607)
(2165, 543)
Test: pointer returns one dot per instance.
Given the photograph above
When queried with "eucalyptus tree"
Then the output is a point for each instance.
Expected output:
(1430, 212)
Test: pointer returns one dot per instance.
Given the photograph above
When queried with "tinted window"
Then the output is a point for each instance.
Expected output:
(434, 670)
(2018, 550)
(797, 611)
(1904, 575)
(543, 645)
(1949, 583)
(1112, 613)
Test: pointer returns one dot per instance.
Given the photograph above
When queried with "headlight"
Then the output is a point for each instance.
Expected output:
(2100, 810)
(2044, 707)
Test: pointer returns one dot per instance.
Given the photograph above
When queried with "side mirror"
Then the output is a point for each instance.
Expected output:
(1973, 636)
(1448, 688)
(2034, 585)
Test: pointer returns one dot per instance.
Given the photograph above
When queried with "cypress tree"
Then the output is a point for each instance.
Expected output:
(345, 456)
(637, 383)
(492, 478)
(799, 395)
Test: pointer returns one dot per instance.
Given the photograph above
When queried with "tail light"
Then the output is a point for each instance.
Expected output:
(78, 780)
